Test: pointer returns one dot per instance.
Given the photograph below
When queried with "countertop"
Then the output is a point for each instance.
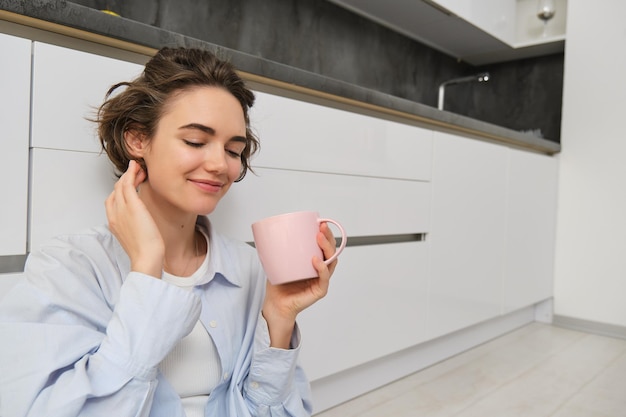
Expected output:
(136, 35)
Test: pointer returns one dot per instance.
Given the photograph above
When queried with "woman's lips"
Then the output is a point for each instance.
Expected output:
(208, 185)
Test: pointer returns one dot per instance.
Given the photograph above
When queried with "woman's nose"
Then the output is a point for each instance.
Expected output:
(215, 159)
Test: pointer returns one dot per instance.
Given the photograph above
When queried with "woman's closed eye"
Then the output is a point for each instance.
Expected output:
(234, 150)
(235, 153)
(193, 143)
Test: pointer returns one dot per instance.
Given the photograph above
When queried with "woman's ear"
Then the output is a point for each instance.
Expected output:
(136, 142)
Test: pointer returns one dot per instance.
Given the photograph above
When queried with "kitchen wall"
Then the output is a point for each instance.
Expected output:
(321, 37)
(590, 274)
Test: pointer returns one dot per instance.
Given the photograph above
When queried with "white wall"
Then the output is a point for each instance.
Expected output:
(590, 264)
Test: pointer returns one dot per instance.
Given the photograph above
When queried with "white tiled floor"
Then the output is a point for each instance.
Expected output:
(536, 371)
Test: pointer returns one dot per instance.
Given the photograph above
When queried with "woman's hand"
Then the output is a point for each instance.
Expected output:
(131, 223)
(284, 302)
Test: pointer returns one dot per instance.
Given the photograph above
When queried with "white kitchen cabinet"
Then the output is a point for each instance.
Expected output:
(513, 22)
(68, 190)
(531, 229)
(496, 17)
(70, 178)
(304, 136)
(467, 232)
(68, 87)
(365, 206)
(530, 30)
(14, 114)
(376, 306)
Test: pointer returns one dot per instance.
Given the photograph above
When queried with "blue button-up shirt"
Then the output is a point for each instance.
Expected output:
(82, 335)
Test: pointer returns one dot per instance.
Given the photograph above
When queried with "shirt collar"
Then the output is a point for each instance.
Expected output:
(223, 261)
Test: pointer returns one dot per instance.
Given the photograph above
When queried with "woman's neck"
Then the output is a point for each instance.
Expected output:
(184, 246)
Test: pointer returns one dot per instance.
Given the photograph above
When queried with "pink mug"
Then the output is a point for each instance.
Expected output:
(287, 243)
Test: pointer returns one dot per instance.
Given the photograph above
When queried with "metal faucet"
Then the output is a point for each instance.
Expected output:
(482, 77)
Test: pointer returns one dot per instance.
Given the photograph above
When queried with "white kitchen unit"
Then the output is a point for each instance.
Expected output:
(492, 233)
(365, 206)
(14, 114)
(305, 136)
(496, 17)
(530, 30)
(468, 232)
(478, 32)
(530, 229)
(376, 306)
(68, 87)
(68, 189)
(71, 178)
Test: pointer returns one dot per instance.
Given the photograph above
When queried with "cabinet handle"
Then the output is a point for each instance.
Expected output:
(378, 239)
(12, 263)
(385, 239)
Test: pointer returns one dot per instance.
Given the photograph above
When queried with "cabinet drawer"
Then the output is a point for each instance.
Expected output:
(310, 137)
(14, 114)
(376, 305)
(365, 206)
(68, 87)
(68, 192)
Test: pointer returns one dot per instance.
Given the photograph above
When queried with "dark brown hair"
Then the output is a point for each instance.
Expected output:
(141, 104)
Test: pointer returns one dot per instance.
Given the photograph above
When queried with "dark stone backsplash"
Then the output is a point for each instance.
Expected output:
(318, 36)
(523, 95)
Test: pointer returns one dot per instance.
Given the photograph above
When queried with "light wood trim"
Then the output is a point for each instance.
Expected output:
(75, 33)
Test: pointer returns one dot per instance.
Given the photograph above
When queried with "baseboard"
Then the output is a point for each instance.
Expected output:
(335, 389)
(588, 326)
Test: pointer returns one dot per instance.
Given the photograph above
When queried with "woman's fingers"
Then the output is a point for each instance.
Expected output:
(326, 242)
(132, 224)
(130, 180)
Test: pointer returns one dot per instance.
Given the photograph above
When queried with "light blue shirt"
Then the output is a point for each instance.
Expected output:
(81, 335)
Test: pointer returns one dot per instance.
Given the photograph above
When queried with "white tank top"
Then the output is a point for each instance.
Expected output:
(193, 366)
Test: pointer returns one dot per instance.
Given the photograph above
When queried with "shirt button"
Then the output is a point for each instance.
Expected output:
(225, 376)
(213, 323)
(254, 384)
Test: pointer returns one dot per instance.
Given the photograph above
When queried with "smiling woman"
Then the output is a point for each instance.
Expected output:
(156, 313)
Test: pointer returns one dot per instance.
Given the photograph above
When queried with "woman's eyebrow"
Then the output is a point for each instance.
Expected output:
(210, 131)
(239, 139)
(198, 126)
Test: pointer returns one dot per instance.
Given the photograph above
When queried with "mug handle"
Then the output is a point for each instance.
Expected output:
(344, 239)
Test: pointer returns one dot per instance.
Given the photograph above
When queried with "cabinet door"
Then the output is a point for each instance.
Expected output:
(376, 306)
(531, 228)
(14, 114)
(70, 177)
(365, 206)
(68, 87)
(495, 17)
(309, 137)
(467, 232)
(68, 190)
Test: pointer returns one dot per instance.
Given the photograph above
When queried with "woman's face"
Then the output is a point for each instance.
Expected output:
(194, 156)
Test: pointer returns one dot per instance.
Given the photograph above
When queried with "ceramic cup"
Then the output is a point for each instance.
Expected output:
(287, 243)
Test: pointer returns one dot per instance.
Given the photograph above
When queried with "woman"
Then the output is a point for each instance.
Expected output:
(156, 314)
